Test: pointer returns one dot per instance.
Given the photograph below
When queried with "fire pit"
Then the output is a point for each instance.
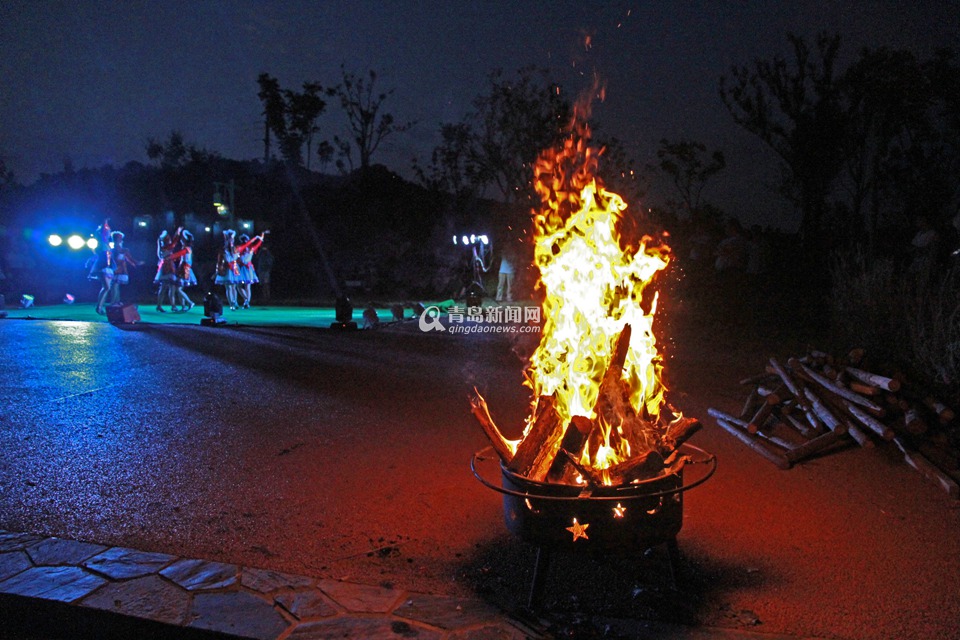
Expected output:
(601, 456)
(621, 519)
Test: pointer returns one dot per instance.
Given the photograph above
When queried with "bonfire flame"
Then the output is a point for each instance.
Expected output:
(593, 289)
(597, 414)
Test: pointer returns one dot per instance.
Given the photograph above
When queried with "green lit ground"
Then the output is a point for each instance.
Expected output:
(262, 316)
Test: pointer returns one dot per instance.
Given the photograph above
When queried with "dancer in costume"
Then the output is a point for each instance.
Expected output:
(122, 260)
(102, 269)
(248, 273)
(228, 271)
(185, 275)
(166, 276)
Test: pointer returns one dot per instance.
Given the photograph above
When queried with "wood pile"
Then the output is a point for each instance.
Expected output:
(813, 404)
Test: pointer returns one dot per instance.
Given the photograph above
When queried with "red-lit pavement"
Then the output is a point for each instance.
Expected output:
(344, 457)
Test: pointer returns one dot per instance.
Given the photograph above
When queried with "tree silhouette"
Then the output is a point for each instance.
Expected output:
(291, 117)
(793, 106)
(513, 123)
(683, 162)
(368, 127)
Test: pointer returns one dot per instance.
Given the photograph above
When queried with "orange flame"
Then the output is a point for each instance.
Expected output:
(593, 288)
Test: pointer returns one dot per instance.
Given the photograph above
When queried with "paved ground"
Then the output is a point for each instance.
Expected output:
(343, 456)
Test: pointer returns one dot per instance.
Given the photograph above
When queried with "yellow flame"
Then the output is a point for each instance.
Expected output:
(593, 288)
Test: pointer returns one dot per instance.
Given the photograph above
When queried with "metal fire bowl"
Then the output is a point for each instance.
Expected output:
(638, 515)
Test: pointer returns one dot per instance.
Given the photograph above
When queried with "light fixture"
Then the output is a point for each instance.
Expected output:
(92, 244)
(76, 242)
(55, 240)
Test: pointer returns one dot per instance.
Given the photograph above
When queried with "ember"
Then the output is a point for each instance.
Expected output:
(598, 415)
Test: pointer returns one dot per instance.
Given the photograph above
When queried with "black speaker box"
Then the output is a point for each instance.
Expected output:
(122, 313)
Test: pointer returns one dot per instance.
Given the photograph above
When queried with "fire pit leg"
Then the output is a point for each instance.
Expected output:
(539, 578)
(673, 553)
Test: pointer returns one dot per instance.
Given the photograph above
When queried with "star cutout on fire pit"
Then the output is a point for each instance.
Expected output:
(578, 530)
(619, 511)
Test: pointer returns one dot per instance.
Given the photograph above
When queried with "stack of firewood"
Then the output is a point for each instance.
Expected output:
(809, 405)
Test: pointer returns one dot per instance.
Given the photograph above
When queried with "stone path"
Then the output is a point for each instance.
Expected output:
(235, 600)
(245, 602)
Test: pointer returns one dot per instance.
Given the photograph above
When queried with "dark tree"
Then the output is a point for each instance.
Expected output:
(794, 107)
(368, 126)
(452, 168)
(685, 163)
(175, 152)
(512, 123)
(291, 117)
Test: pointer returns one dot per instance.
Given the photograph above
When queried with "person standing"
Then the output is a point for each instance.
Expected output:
(166, 272)
(228, 271)
(507, 272)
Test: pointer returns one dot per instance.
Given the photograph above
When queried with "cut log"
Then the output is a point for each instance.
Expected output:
(818, 444)
(754, 443)
(478, 407)
(913, 423)
(929, 470)
(869, 421)
(750, 404)
(589, 475)
(824, 413)
(834, 388)
(764, 412)
(942, 411)
(639, 467)
(574, 438)
(864, 389)
(800, 426)
(857, 434)
(874, 380)
(678, 432)
(539, 446)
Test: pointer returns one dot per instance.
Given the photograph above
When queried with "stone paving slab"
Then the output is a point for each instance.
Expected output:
(187, 595)
(120, 563)
(149, 597)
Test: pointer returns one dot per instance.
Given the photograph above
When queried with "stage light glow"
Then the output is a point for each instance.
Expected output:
(92, 244)
(207, 229)
(454, 239)
(76, 242)
(465, 240)
(55, 240)
(484, 240)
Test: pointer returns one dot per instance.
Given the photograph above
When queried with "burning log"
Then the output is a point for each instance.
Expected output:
(636, 468)
(589, 475)
(677, 433)
(537, 450)
(478, 407)
(574, 439)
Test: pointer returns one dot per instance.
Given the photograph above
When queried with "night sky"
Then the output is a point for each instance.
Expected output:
(91, 81)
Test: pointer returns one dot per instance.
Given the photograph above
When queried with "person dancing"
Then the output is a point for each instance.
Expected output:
(122, 260)
(228, 271)
(166, 273)
(102, 269)
(185, 275)
(182, 261)
(248, 273)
